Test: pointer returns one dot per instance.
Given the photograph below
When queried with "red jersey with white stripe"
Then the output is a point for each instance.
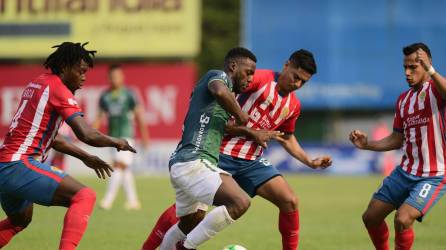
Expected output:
(420, 117)
(267, 109)
(46, 102)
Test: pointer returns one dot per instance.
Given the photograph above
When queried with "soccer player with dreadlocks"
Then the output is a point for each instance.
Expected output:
(46, 103)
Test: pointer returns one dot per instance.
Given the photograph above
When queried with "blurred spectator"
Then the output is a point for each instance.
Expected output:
(120, 106)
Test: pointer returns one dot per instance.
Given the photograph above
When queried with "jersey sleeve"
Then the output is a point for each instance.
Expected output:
(64, 103)
(261, 77)
(289, 125)
(437, 94)
(397, 120)
(220, 76)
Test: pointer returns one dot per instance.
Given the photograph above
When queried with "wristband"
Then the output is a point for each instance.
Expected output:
(431, 70)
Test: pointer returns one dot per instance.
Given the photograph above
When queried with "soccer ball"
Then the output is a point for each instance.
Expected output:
(234, 247)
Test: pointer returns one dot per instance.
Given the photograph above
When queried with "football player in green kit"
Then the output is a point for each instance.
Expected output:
(194, 174)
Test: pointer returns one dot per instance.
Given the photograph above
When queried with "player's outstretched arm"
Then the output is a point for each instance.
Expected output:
(426, 63)
(94, 138)
(391, 142)
(290, 144)
(227, 100)
(261, 137)
(98, 165)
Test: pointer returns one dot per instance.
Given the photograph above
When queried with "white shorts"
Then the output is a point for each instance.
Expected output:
(195, 184)
(123, 157)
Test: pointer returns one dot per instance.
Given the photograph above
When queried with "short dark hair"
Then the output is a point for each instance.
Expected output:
(114, 66)
(239, 52)
(414, 47)
(68, 54)
(304, 59)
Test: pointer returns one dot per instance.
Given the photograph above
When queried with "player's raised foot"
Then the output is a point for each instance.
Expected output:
(180, 246)
(132, 206)
(105, 205)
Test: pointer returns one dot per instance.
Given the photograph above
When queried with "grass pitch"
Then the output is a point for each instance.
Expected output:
(330, 213)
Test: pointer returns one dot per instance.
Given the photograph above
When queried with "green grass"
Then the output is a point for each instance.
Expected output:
(330, 209)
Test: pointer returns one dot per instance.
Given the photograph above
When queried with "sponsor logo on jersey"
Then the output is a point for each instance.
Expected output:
(415, 121)
(204, 120)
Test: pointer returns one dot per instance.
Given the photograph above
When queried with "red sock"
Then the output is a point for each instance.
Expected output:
(404, 239)
(165, 221)
(379, 236)
(76, 218)
(7, 231)
(289, 229)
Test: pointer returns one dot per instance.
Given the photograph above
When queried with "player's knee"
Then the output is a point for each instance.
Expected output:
(403, 220)
(238, 207)
(22, 221)
(368, 219)
(288, 203)
(86, 195)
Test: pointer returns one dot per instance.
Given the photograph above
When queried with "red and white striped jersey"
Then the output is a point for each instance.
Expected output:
(267, 109)
(420, 117)
(46, 102)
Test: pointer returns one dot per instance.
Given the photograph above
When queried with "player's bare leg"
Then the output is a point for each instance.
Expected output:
(373, 219)
(14, 223)
(231, 201)
(279, 192)
(189, 222)
(404, 219)
(80, 202)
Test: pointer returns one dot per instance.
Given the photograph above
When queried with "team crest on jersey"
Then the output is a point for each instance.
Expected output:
(422, 96)
(285, 112)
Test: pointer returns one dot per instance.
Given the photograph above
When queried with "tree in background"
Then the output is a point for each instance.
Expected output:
(221, 31)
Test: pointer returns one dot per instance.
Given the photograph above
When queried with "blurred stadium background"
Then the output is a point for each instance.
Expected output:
(165, 45)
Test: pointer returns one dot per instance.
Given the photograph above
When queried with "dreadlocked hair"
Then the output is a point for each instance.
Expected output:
(68, 54)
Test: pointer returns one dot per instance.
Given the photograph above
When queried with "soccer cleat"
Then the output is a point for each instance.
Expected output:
(132, 206)
(105, 205)
(180, 246)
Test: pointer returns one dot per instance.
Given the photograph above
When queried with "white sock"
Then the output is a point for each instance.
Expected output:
(112, 188)
(129, 187)
(214, 222)
(172, 236)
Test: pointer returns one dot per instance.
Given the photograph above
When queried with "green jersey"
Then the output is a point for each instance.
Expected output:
(119, 106)
(205, 122)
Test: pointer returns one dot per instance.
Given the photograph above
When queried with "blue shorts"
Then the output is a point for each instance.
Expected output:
(421, 193)
(27, 181)
(249, 174)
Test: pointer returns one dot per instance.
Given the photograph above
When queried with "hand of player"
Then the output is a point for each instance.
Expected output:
(423, 59)
(359, 139)
(322, 162)
(122, 144)
(263, 136)
(98, 165)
